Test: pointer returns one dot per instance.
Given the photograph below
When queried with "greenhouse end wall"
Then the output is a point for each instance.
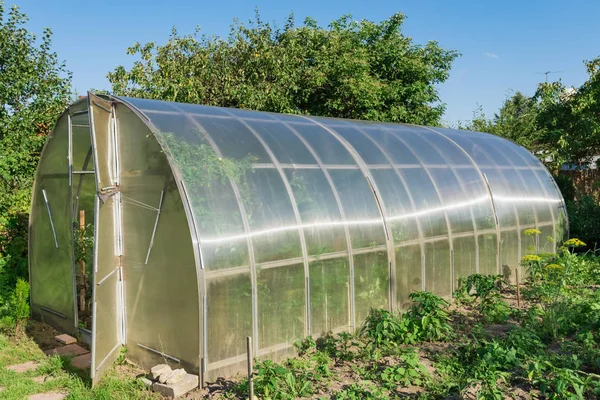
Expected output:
(236, 223)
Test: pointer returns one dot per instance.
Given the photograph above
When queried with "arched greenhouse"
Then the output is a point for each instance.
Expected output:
(212, 224)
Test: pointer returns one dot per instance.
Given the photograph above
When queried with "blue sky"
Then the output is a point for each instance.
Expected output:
(505, 44)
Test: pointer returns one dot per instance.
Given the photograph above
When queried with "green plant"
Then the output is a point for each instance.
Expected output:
(429, 317)
(273, 381)
(409, 371)
(486, 290)
(361, 391)
(305, 345)
(384, 328)
(16, 310)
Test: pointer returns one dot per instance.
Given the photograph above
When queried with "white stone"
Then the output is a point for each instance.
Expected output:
(164, 377)
(190, 382)
(158, 370)
(176, 376)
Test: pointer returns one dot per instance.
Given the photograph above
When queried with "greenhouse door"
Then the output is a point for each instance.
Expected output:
(107, 299)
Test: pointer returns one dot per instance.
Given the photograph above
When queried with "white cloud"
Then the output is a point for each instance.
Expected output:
(491, 55)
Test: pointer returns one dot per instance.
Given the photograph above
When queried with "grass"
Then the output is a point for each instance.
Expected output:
(119, 383)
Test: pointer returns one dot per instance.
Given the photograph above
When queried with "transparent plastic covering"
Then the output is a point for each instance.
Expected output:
(238, 223)
(306, 223)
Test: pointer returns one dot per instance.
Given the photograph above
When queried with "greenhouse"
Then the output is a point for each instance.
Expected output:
(178, 230)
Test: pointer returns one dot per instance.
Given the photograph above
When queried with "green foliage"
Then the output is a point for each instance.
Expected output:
(34, 89)
(408, 372)
(351, 69)
(358, 391)
(16, 310)
(485, 290)
(427, 320)
(429, 317)
(584, 219)
(559, 124)
(567, 188)
(273, 381)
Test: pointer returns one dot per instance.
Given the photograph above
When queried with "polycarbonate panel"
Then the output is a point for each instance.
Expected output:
(366, 148)
(476, 191)
(360, 208)
(327, 147)
(509, 253)
(401, 215)
(394, 148)
(319, 212)
(428, 206)
(518, 195)
(284, 144)
(371, 283)
(465, 257)
(408, 274)
(106, 324)
(229, 322)
(414, 138)
(101, 124)
(438, 271)
(233, 139)
(505, 207)
(158, 254)
(273, 226)
(456, 202)
(329, 296)
(488, 254)
(107, 314)
(281, 305)
(209, 189)
(537, 193)
(52, 291)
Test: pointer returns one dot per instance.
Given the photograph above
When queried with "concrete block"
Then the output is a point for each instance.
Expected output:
(165, 375)
(190, 382)
(176, 376)
(83, 361)
(48, 396)
(28, 366)
(65, 339)
(70, 350)
(158, 370)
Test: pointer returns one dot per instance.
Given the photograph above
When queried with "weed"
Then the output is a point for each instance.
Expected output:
(358, 391)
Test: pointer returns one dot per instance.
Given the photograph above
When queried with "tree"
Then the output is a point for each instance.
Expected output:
(569, 118)
(558, 124)
(34, 89)
(362, 70)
